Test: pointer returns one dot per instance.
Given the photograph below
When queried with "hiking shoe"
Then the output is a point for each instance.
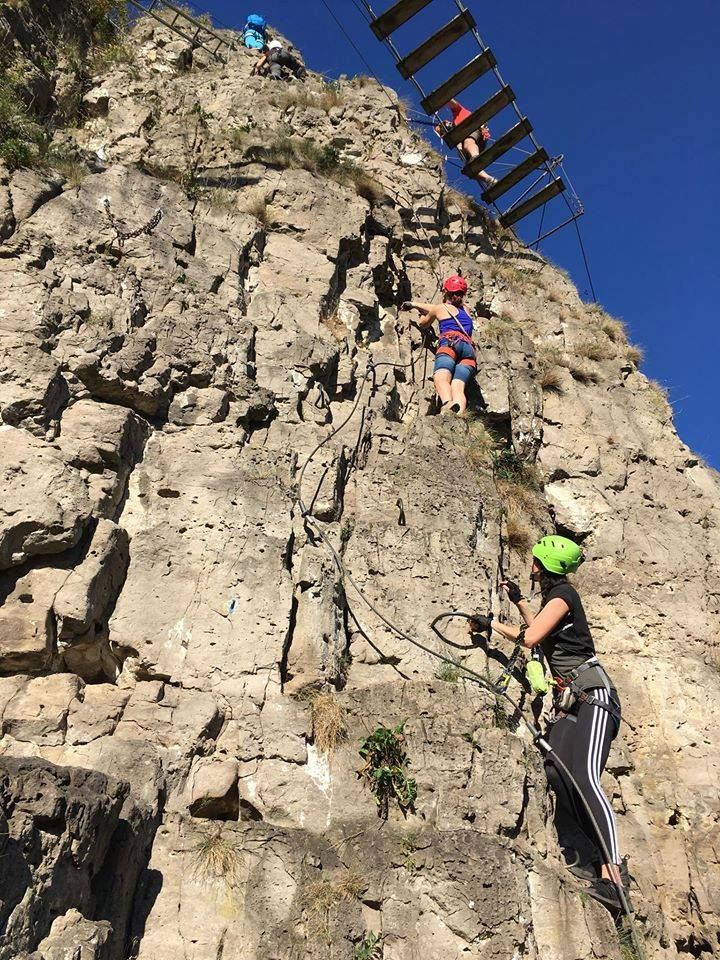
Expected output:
(455, 407)
(605, 892)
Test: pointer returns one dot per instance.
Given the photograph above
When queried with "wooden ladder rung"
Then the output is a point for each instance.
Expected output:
(517, 174)
(459, 81)
(396, 16)
(436, 44)
(506, 142)
(537, 200)
(481, 116)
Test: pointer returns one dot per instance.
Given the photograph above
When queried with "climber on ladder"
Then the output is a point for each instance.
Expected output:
(473, 145)
(586, 711)
(455, 361)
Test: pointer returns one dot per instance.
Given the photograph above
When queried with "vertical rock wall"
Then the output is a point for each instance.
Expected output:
(168, 619)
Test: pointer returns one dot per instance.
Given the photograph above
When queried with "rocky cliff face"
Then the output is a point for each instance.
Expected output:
(179, 656)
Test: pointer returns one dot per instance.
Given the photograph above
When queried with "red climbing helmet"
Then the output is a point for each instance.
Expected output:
(455, 285)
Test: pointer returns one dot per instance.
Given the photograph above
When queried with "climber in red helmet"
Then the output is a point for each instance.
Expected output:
(455, 357)
(473, 145)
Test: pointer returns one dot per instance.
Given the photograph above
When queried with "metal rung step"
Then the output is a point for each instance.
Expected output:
(538, 200)
(180, 27)
(459, 81)
(396, 16)
(506, 142)
(517, 174)
(481, 116)
(436, 44)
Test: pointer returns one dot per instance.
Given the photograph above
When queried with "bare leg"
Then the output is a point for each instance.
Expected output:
(458, 394)
(611, 871)
(472, 150)
(442, 385)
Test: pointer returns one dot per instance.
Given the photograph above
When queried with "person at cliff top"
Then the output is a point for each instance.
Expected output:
(586, 712)
(455, 360)
(473, 145)
(278, 63)
(254, 32)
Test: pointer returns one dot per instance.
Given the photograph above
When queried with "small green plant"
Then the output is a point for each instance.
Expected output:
(216, 857)
(511, 468)
(346, 531)
(328, 721)
(628, 950)
(369, 948)
(408, 849)
(448, 673)
(385, 770)
(501, 720)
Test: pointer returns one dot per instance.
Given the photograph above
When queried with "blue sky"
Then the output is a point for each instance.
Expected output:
(629, 94)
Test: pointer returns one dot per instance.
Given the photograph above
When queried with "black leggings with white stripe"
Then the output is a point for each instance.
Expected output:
(582, 741)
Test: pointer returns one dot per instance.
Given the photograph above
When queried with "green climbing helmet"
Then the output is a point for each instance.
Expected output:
(558, 554)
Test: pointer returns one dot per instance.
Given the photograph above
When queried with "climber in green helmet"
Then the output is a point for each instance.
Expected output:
(586, 711)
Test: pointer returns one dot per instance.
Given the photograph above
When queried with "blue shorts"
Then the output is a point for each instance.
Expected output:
(456, 355)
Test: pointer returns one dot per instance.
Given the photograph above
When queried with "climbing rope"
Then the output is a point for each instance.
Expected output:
(537, 737)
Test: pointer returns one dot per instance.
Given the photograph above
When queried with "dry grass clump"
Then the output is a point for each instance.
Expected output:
(634, 354)
(613, 329)
(328, 722)
(257, 206)
(551, 380)
(501, 270)
(659, 398)
(518, 533)
(216, 857)
(595, 349)
(324, 894)
(500, 328)
(331, 319)
(303, 97)
(298, 153)
(550, 362)
(479, 444)
(582, 372)
(104, 57)
(72, 170)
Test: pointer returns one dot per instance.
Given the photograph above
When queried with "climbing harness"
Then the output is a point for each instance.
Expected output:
(123, 235)
(537, 737)
(572, 691)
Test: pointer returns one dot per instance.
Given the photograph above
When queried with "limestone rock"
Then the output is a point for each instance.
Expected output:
(172, 618)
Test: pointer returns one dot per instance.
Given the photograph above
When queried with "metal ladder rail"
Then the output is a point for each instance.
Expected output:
(182, 16)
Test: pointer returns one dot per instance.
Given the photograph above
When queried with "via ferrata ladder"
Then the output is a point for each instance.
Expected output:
(385, 24)
(183, 24)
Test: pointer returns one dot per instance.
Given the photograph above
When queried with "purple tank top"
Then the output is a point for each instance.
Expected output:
(464, 320)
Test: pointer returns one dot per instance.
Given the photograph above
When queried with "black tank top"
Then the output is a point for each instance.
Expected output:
(570, 643)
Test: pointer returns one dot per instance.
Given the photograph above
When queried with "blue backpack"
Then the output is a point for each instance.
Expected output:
(254, 32)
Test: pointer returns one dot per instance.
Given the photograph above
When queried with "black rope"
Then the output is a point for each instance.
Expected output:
(537, 737)
(585, 260)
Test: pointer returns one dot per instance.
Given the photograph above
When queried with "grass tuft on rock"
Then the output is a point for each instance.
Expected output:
(323, 894)
(328, 722)
(216, 857)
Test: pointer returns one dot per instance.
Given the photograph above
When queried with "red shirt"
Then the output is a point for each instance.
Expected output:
(459, 113)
